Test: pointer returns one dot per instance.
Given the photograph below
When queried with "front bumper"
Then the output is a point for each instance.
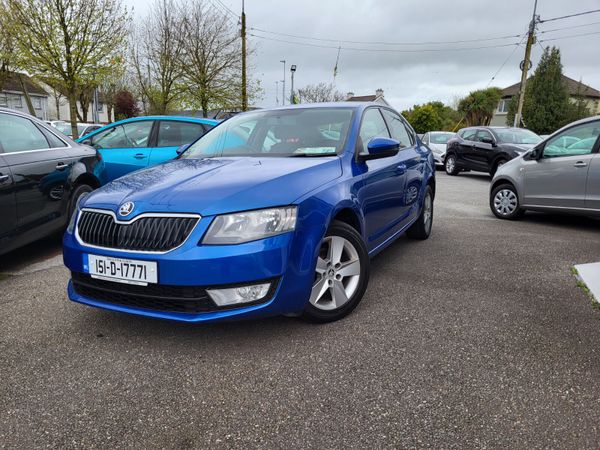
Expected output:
(439, 158)
(288, 259)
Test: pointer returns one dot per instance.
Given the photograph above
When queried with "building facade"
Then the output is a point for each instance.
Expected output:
(13, 97)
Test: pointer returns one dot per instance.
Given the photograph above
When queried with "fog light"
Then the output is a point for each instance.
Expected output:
(240, 294)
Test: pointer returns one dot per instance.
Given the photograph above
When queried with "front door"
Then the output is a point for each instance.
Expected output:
(124, 148)
(383, 183)
(483, 152)
(39, 170)
(592, 191)
(8, 207)
(171, 135)
(466, 152)
(558, 179)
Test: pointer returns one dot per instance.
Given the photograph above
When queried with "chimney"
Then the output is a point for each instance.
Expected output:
(379, 93)
(349, 95)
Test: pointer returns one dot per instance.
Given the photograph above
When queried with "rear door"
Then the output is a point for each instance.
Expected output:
(483, 152)
(124, 148)
(39, 170)
(466, 152)
(559, 178)
(170, 135)
(8, 206)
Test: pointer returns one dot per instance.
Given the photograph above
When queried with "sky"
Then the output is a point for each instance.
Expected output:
(409, 74)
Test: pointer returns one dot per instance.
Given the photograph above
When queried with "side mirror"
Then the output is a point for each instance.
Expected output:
(182, 149)
(488, 140)
(380, 147)
(87, 142)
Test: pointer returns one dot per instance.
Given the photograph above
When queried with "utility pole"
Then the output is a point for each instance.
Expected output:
(293, 70)
(283, 81)
(277, 93)
(244, 91)
(525, 66)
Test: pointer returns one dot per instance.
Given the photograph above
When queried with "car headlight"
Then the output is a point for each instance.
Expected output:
(251, 225)
(71, 226)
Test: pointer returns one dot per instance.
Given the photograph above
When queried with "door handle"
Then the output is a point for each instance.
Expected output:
(401, 169)
(3, 178)
(61, 166)
(580, 164)
(139, 156)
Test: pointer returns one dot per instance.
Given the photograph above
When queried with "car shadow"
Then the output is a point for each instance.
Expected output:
(562, 220)
(35, 252)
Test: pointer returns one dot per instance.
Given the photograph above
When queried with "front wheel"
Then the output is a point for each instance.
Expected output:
(450, 165)
(504, 202)
(421, 229)
(341, 275)
(499, 164)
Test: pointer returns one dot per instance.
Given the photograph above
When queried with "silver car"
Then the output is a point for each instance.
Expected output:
(436, 141)
(561, 174)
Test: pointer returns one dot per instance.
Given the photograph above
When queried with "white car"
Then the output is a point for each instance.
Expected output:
(82, 128)
(436, 141)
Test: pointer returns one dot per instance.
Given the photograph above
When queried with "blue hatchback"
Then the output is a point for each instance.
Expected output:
(271, 212)
(140, 142)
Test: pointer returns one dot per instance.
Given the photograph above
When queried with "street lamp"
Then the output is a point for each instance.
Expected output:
(283, 81)
(293, 70)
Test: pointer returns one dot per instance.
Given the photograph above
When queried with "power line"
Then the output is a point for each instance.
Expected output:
(570, 15)
(505, 61)
(342, 41)
(570, 36)
(386, 50)
(227, 9)
(569, 28)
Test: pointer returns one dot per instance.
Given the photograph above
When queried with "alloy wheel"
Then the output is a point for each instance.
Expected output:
(337, 274)
(450, 164)
(505, 202)
(428, 212)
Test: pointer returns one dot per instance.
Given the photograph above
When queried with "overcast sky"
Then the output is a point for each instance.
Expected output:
(417, 76)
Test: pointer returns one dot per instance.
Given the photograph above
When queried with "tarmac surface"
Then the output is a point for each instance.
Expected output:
(478, 337)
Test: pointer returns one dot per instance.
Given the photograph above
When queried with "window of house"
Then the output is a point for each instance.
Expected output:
(16, 101)
(503, 105)
(100, 107)
(3, 100)
(37, 102)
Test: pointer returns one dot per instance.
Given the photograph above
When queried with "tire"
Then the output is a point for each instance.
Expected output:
(504, 202)
(335, 295)
(450, 165)
(421, 229)
(498, 163)
(79, 190)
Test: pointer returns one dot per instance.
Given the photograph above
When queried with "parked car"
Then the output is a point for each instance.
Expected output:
(484, 149)
(139, 142)
(42, 175)
(82, 128)
(272, 212)
(561, 174)
(436, 141)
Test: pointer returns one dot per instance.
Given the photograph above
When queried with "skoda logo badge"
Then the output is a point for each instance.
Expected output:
(126, 208)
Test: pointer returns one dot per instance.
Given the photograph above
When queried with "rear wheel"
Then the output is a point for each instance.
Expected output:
(82, 189)
(421, 229)
(504, 202)
(450, 165)
(341, 275)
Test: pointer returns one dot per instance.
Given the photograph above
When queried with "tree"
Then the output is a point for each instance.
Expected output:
(157, 46)
(547, 105)
(478, 107)
(320, 93)
(69, 41)
(112, 84)
(212, 57)
(125, 105)
(6, 43)
(431, 116)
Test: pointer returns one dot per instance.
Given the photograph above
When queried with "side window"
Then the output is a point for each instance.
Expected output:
(129, 135)
(372, 126)
(18, 134)
(469, 135)
(175, 134)
(397, 128)
(575, 141)
(481, 134)
(54, 141)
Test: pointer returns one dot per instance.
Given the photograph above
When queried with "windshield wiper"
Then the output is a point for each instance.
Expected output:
(298, 155)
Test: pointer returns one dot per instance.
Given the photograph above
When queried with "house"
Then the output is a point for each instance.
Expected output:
(575, 89)
(13, 97)
(377, 98)
(58, 106)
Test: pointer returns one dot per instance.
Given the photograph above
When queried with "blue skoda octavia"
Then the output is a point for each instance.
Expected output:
(271, 212)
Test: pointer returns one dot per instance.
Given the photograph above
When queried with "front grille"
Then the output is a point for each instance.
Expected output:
(157, 297)
(153, 233)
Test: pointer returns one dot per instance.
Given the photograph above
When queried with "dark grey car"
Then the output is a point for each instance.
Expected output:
(561, 174)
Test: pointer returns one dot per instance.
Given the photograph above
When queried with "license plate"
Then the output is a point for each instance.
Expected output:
(130, 271)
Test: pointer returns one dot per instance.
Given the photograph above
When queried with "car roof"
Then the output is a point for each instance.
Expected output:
(348, 105)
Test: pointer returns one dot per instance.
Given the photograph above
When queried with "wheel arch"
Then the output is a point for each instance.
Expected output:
(87, 178)
(349, 216)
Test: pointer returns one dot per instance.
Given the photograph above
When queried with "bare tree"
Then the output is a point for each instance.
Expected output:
(6, 43)
(320, 93)
(156, 51)
(69, 41)
(212, 56)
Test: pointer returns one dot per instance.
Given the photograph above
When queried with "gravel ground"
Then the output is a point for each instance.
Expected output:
(478, 337)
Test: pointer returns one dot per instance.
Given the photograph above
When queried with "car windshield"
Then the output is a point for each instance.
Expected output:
(440, 138)
(282, 133)
(517, 136)
(63, 127)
